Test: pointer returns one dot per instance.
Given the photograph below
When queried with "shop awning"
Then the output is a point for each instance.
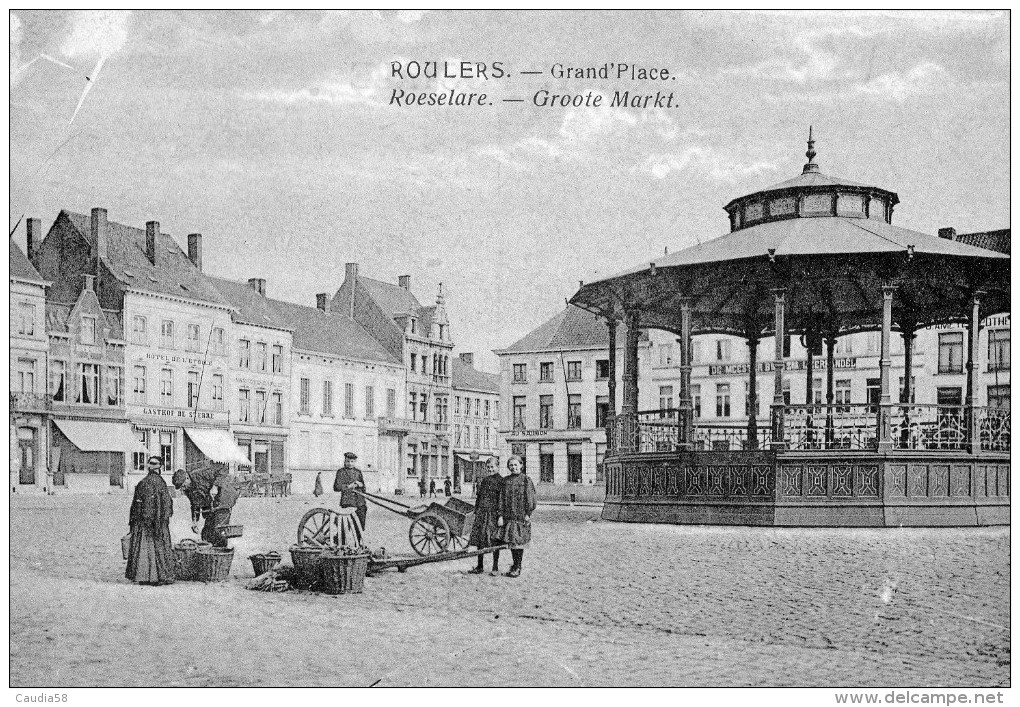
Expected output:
(218, 445)
(93, 436)
(482, 458)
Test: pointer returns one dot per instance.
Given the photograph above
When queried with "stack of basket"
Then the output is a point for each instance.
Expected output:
(342, 570)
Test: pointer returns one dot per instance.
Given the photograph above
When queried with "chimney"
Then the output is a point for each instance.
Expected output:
(405, 282)
(258, 284)
(33, 228)
(468, 359)
(351, 271)
(151, 236)
(90, 282)
(100, 233)
(948, 233)
(322, 302)
(195, 249)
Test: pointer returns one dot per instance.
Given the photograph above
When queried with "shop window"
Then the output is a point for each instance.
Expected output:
(951, 352)
(998, 350)
(139, 459)
(574, 463)
(166, 449)
(88, 384)
(546, 473)
(245, 445)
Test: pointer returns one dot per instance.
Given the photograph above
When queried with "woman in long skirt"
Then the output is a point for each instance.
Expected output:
(485, 529)
(517, 503)
(150, 558)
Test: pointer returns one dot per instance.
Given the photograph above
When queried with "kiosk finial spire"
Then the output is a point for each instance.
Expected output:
(810, 166)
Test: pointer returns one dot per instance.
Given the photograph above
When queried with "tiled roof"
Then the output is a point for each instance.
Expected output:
(57, 314)
(573, 328)
(466, 377)
(330, 333)
(21, 268)
(393, 299)
(174, 275)
(991, 240)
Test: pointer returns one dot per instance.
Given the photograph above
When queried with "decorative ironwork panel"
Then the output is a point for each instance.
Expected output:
(929, 426)
(830, 427)
(630, 482)
(1003, 480)
(672, 488)
(994, 425)
(717, 480)
(897, 480)
(842, 481)
(761, 481)
(696, 481)
(815, 480)
(938, 481)
(867, 481)
(918, 480)
(959, 480)
(788, 480)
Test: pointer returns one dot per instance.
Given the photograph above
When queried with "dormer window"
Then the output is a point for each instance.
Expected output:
(414, 326)
(88, 330)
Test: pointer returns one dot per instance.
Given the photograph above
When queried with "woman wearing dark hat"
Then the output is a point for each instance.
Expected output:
(485, 528)
(516, 503)
(150, 559)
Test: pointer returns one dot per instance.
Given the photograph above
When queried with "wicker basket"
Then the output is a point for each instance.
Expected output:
(213, 563)
(343, 574)
(185, 559)
(306, 564)
(263, 563)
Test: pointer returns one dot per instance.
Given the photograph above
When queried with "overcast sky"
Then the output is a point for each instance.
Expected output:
(270, 134)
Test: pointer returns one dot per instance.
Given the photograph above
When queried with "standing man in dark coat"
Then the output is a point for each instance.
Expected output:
(150, 559)
(423, 488)
(197, 486)
(516, 502)
(348, 479)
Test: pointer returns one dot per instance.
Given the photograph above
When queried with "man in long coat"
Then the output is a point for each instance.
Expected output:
(197, 486)
(348, 479)
(150, 558)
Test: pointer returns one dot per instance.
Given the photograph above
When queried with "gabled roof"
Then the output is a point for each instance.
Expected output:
(990, 240)
(331, 333)
(57, 314)
(392, 299)
(425, 315)
(21, 268)
(573, 328)
(466, 377)
(174, 275)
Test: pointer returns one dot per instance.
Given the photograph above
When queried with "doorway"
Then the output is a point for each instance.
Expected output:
(26, 455)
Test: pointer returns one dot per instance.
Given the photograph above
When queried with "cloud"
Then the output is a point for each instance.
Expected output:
(16, 36)
(367, 89)
(717, 166)
(924, 78)
(411, 16)
(96, 33)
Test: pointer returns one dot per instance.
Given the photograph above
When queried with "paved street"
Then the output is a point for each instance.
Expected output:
(599, 604)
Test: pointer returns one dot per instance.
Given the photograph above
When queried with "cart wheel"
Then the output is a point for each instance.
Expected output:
(429, 534)
(318, 524)
(458, 543)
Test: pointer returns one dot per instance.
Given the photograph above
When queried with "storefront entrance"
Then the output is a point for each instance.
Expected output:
(27, 451)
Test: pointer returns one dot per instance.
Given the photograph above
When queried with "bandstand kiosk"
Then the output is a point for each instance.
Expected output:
(815, 256)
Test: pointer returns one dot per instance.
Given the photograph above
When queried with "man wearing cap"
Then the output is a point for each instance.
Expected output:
(349, 478)
(197, 486)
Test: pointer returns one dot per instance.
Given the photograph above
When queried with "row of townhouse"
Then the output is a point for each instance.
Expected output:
(122, 348)
(554, 385)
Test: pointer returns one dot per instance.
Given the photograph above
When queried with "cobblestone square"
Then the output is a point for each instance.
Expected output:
(599, 604)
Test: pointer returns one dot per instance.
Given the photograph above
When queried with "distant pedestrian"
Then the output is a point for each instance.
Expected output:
(318, 485)
(485, 528)
(423, 488)
(432, 488)
(516, 504)
(150, 558)
(447, 487)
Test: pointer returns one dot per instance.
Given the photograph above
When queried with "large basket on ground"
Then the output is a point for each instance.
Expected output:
(262, 563)
(343, 574)
(212, 564)
(306, 564)
(186, 559)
